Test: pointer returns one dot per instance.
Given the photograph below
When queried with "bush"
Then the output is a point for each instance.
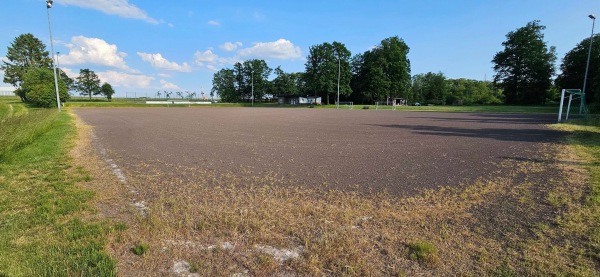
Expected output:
(39, 88)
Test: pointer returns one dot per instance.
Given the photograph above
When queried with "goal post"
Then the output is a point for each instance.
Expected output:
(347, 104)
(573, 94)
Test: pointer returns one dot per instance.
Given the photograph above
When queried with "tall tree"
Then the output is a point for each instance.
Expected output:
(224, 85)
(256, 72)
(25, 52)
(69, 82)
(284, 83)
(573, 69)
(324, 63)
(88, 83)
(107, 90)
(526, 65)
(287, 83)
(383, 71)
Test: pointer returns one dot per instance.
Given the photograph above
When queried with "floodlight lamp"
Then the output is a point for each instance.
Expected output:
(592, 16)
(49, 4)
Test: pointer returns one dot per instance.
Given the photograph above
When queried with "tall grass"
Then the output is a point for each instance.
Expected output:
(42, 232)
(19, 131)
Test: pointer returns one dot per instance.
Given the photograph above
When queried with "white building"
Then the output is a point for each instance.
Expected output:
(7, 91)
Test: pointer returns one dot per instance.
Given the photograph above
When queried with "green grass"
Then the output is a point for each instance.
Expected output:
(584, 220)
(42, 231)
(424, 252)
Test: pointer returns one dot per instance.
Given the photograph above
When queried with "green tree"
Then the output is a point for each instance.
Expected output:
(256, 72)
(69, 82)
(466, 91)
(383, 71)
(88, 83)
(284, 83)
(224, 85)
(24, 53)
(323, 64)
(107, 90)
(39, 88)
(573, 68)
(430, 87)
(526, 65)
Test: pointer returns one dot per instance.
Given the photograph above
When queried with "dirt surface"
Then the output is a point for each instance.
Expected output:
(358, 150)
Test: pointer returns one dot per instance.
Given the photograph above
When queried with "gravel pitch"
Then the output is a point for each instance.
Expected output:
(361, 150)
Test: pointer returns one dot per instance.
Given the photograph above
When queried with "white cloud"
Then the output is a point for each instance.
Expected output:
(230, 46)
(70, 72)
(170, 86)
(84, 50)
(214, 23)
(120, 8)
(163, 75)
(171, 25)
(158, 61)
(206, 57)
(125, 80)
(281, 49)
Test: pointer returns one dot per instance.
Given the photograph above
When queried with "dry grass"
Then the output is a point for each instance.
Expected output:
(220, 224)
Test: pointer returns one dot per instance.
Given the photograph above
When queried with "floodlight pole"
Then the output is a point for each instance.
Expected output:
(48, 6)
(252, 77)
(58, 65)
(338, 87)
(587, 66)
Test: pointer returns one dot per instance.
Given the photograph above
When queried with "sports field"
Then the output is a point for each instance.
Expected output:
(397, 152)
(324, 192)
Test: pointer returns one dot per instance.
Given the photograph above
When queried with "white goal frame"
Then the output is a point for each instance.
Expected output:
(578, 95)
(348, 104)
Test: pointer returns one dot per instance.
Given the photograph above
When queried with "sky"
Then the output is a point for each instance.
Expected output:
(141, 47)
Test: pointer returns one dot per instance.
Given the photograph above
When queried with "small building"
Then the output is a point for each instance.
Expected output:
(298, 100)
(7, 91)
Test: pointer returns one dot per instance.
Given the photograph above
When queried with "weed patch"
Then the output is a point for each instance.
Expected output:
(424, 252)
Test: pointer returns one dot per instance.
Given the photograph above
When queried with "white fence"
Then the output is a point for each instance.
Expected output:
(174, 102)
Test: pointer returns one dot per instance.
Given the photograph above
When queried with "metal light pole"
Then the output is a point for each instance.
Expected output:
(252, 72)
(587, 66)
(338, 92)
(57, 65)
(48, 6)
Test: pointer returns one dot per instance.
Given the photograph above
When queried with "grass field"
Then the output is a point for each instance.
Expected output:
(49, 224)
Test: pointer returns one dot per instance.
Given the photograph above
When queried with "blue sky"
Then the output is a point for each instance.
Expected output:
(147, 46)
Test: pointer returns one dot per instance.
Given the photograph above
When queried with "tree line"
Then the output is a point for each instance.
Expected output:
(29, 68)
(525, 74)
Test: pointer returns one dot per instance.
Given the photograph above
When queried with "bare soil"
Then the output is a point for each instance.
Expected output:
(358, 150)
